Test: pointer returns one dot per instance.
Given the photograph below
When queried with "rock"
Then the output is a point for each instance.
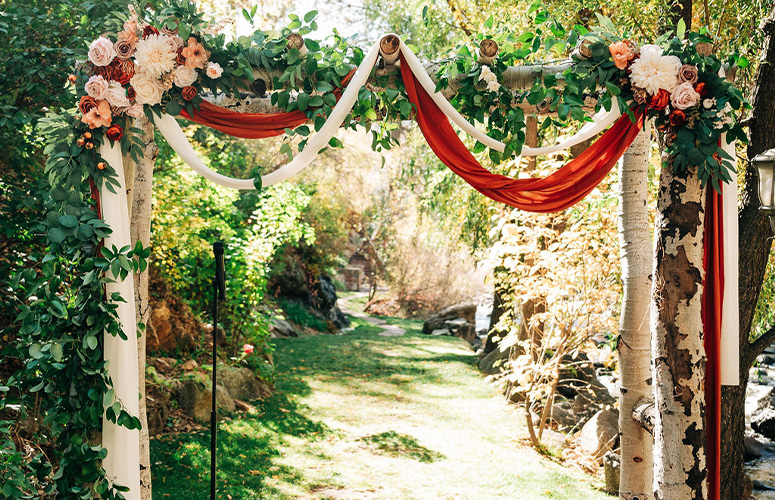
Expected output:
(578, 376)
(164, 365)
(190, 365)
(196, 400)
(460, 327)
(279, 328)
(243, 406)
(158, 409)
(173, 326)
(440, 331)
(753, 448)
(612, 465)
(600, 434)
(493, 362)
(324, 300)
(562, 414)
(242, 383)
(763, 422)
(465, 311)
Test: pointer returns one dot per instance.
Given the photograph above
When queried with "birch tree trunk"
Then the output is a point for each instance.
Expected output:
(634, 345)
(678, 352)
(140, 197)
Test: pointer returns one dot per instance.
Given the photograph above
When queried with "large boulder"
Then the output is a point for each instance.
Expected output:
(279, 328)
(195, 399)
(465, 310)
(600, 434)
(324, 300)
(763, 417)
(578, 376)
(494, 362)
(242, 383)
(458, 320)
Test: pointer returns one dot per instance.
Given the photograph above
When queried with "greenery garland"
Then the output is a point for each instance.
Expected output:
(167, 65)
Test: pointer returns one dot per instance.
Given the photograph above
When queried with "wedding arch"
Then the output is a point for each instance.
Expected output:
(177, 66)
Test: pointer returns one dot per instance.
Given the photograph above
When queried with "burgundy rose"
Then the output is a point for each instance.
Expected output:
(189, 92)
(677, 118)
(130, 92)
(149, 30)
(114, 133)
(660, 100)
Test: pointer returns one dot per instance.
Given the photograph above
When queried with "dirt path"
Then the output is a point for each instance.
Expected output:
(347, 307)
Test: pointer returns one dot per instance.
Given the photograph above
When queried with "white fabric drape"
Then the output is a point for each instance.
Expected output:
(123, 461)
(730, 309)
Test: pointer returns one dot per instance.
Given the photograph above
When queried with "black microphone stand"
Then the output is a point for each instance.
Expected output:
(219, 294)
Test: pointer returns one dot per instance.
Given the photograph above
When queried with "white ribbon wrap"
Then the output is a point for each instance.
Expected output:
(730, 309)
(123, 461)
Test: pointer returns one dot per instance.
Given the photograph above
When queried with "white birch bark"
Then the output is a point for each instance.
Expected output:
(634, 345)
(139, 196)
(679, 356)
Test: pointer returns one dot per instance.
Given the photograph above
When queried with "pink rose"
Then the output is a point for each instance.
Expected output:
(622, 53)
(688, 73)
(135, 110)
(125, 47)
(684, 96)
(101, 52)
(247, 349)
(97, 87)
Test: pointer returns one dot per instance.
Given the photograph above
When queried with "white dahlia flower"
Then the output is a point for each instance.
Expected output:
(653, 71)
(154, 56)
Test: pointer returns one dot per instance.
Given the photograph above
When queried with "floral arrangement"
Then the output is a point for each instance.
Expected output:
(676, 79)
(680, 83)
(137, 69)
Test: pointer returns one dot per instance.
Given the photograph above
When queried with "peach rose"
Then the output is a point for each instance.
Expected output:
(101, 52)
(195, 54)
(622, 53)
(684, 96)
(135, 110)
(99, 116)
(185, 76)
(97, 87)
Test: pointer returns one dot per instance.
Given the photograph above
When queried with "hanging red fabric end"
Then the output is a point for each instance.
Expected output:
(712, 297)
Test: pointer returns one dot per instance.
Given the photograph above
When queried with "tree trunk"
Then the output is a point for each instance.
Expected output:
(140, 230)
(634, 345)
(755, 232)
(678, 352)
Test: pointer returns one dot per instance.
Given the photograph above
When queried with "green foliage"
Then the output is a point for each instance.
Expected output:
(301, 315)
(253, 226)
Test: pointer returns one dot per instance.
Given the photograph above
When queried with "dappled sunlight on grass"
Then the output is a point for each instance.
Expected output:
(365, 417)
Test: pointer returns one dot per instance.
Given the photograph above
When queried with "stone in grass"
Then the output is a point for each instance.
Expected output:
(195, 399)
(600, 434)
(612, 466)
(401, 446)
(243, 384)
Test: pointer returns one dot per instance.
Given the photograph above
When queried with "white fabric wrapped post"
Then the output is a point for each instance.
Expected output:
(123, 461)
(730, 308)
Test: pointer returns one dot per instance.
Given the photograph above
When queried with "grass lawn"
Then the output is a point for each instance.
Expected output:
(365, 417)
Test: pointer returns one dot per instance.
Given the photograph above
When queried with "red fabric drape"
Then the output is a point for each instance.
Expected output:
(245, 125)
(251, 125)
(712, 297)
(560, 190)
